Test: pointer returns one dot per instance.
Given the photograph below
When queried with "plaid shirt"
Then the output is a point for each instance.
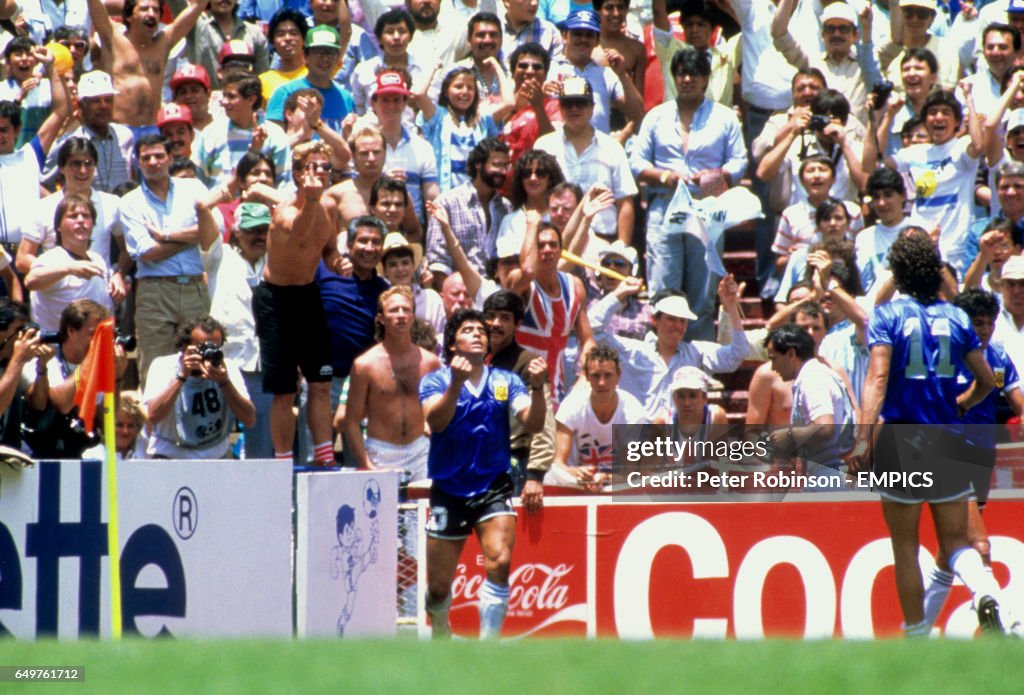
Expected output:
(469, 224)
(538, 31)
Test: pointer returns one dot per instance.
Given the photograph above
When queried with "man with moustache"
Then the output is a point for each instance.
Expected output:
(175, 124)
(474, 210)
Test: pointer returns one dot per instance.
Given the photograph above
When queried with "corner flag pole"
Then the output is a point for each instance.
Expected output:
(99, 376)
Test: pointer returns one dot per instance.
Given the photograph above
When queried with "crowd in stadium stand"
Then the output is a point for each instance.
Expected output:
(242, 184)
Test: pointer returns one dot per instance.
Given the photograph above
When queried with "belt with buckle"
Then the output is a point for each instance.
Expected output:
(176, 279)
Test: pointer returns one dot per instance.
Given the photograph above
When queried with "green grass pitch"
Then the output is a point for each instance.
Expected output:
(406, 665)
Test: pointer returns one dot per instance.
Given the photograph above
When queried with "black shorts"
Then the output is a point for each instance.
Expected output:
(922, 463)
(292, 328)
(454, 518)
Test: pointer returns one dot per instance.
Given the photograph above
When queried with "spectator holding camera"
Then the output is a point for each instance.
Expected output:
(823, 131)
(18, 347)
(192, 396)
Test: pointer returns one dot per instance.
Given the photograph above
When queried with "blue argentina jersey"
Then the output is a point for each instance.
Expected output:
(1007, 379)
(474, 449)
(929, 344)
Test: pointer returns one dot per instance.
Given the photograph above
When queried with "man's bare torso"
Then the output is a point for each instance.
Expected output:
(393, 409)
(138, 72)
(292, 259)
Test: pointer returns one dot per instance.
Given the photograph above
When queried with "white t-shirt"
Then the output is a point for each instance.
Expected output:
(944, 178)
(818, 391)
(48, 304)
(19, 192)
(872, 246)
(199, 422)
(108, 223)
(592, 443)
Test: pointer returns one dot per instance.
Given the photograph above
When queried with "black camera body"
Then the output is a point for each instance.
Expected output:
(818, 122)
(212, 353)
(882, 91)
(45, 337)
(128, 342)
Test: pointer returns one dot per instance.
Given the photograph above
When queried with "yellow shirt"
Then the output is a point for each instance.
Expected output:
(272, 79)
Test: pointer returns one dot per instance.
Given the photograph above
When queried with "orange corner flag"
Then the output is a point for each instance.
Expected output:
(97, 373)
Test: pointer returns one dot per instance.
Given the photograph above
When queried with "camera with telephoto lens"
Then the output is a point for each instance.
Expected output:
(882, 91)
(211, 353)
(818, 122)
(45, 337)
(128, 342)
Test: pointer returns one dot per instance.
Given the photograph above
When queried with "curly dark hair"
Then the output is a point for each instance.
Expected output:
(451, 329)
(602, 352)
(916, 267)
(977, 303)
(207, 323)
(533, 159)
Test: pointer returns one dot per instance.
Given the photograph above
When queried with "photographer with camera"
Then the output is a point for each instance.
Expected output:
(823, 131)
(18, 347)
(50, 425)
(192, 396)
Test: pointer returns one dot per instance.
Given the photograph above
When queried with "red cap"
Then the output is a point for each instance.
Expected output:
(234, 49)
(391, 82)
(173, 113)
(191, 73)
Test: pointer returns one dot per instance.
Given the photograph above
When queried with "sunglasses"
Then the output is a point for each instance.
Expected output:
(837, 29)
(319, 166)
(535, 174)
(614, 263)
(918, 13)
(539, 67)
(575, 103)
(80, 45)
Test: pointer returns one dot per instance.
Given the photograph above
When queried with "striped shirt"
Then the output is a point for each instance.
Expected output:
(222, 144)
(469, 225)
(547, 324)
(538, 31)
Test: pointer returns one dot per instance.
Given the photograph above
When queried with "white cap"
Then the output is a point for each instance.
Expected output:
(95, 84)
(509, 245)
(619, 248)
(692, 378)
(1013, 269)
(1015, 120)
(675, 305)
(839, 10)
(927, 4)
(731, 209)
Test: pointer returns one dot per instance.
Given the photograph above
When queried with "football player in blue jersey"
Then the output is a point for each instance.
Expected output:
(467, 407)
(981, 308)
(919, 344)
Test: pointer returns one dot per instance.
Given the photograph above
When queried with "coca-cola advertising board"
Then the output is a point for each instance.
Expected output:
(816, 569)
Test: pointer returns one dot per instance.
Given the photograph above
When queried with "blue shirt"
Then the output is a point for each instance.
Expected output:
(264, 10)
(141, 207)
(337, 102)
(982, 417)
(474, 449)
(929, 344)
(715, 141)
(350, 305)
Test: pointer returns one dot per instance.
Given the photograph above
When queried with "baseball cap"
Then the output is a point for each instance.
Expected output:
(692, 378)
(251, 215)
(676, 306)
(191, 73)
(582, 19)
(839, 10)
(390, 82)
(323, 36)
(173, 113)
(1013, 269)
(236, 49)
(95, 84)
(509, 246)
(927, 4)
(1015, 120)
(618, 248)
(1015, 6)
(395, 241)
(575, 88)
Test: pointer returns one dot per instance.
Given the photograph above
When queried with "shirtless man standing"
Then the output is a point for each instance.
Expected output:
(289, 314)
(384, 388)
(137, 56)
